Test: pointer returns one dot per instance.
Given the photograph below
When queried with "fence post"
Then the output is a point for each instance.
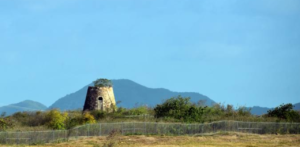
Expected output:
(249, 127)
(181, 129)
(274, 128)
(145, 128)
(53, 135)
(77, 132)
(164, 128)
(100, 129)
(122, 128)
(225, 125)
(193, 129)
(156, 127)
(18, 134)
(133, 127)
(177, 129)
(88, 130)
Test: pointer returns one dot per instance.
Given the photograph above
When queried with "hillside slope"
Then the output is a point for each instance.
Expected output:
(130, 94)
(26, 105)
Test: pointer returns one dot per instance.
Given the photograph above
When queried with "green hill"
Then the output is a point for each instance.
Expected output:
(26, 105)
(130, 94)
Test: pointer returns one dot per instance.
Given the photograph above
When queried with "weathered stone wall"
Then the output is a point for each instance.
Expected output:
(93, 93)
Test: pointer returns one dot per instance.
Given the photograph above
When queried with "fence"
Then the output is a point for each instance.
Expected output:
(148, 128)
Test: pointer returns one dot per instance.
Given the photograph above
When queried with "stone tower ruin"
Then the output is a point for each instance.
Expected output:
(100, 97)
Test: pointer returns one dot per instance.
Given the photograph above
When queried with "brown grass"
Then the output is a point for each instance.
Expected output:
(217, 140)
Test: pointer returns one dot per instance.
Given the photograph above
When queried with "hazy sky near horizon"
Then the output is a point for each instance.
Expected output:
(241, 52)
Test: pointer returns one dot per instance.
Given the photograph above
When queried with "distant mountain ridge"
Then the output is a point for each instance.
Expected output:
(26, 105)
(257, 110)
(130, 94)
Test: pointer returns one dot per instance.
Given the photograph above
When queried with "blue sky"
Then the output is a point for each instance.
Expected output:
(241, 52)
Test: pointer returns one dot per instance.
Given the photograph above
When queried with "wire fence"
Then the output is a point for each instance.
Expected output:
(148, 128)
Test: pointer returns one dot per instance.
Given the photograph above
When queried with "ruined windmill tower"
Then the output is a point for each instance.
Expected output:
(100, 96)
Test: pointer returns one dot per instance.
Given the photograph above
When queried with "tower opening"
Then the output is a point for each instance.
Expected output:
(100, 103)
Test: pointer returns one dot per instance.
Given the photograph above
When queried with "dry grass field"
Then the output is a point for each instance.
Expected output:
(217, 140)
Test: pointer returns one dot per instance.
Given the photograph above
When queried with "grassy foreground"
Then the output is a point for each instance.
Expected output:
(217, 140)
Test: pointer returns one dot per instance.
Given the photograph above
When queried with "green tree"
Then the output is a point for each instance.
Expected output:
(179, 108)
(56, 120)
(284, 111)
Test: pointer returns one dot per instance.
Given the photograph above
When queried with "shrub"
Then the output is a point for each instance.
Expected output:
(174, 107)
(293, 116)
(98, 114)
(37, 118)
(5, 124)
(286, 112)
(179, 108)
(73, 121)
(21, 117)
(88, 118)
(229, 110)
(112, 139)
(102, 83)
(243, 111)
(56, 120)
(121, 110)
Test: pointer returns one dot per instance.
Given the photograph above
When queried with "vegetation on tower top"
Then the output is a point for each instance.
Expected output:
(102, 83)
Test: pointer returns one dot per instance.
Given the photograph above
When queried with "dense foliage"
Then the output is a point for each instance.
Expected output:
(5, 124)
(102, 83)
(175, 109)
(179, 108)
(56, 120)
(285, 112)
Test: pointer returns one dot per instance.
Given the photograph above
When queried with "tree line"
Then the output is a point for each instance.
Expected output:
(175, 109)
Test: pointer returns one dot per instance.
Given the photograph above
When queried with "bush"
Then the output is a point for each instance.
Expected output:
(243, 111)
(5, 124)
(121, 110)
(293, 116)
(21, 117)
(37, 118)
(102, 83)
(74, 119)
(88, 118)
(98, 114)
(285, 112)
(56, 120)
(179, 108)
(73, 122)
(79, 119)
(229, 110)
